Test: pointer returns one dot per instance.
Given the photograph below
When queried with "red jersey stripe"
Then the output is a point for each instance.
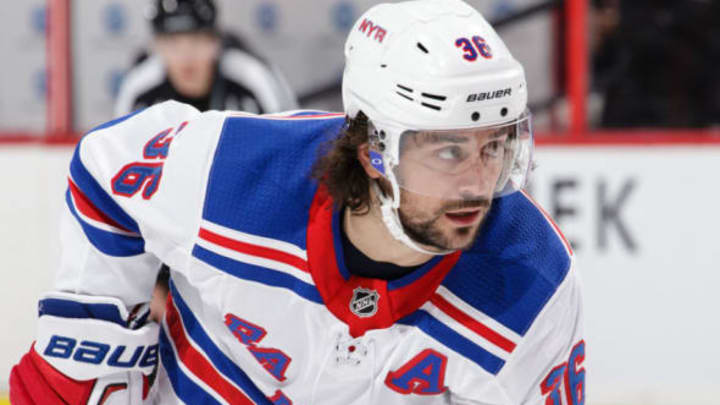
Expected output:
(86, 207)
(254, 250)
(197, 363)
(472, 324)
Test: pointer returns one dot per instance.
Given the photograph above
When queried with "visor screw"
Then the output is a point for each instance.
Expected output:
(475, 116)
(504, 111)
(382, 135)
(381, 146)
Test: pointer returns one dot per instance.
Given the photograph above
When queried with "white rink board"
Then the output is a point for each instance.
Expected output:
(651, 313)
(33, 183)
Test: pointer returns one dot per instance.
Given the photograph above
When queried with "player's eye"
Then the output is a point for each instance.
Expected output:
(494, 149)
(450, 153)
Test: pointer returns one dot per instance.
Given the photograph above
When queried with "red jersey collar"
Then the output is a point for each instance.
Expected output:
(364, 303)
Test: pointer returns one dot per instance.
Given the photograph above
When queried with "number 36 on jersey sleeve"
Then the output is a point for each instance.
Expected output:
(146, 174)
(565, 384)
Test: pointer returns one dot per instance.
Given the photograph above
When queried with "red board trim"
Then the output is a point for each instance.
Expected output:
(620, 137)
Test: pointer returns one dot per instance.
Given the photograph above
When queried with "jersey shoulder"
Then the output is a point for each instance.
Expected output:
(139, 179)
(167, 136)
(516, 266)
(138, 126)
(260, 182)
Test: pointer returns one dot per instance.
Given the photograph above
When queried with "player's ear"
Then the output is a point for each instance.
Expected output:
(363, 155)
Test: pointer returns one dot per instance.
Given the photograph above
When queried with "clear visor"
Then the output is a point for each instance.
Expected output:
(482, 162)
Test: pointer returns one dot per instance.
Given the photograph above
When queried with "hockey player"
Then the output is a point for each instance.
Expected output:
(195, 63)
(387, 255)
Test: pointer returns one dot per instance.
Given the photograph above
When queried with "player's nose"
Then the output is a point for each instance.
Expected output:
(474, 181)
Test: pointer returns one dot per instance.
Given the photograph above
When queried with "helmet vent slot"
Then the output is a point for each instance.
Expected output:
(405, 96)
(406, 89)
(422, 47)
(434, 96)
(434, 107)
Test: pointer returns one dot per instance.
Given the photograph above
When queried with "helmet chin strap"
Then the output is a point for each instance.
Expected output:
(389, 210)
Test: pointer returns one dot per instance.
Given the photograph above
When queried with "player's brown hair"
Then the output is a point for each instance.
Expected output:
(339, 169)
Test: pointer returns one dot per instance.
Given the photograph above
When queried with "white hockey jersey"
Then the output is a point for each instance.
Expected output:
(262, 309)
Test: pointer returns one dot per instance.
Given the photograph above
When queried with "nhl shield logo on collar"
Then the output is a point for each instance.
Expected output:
(364, 302)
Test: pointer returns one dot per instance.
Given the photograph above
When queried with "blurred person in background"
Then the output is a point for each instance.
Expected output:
(194, 63)
(657, 65)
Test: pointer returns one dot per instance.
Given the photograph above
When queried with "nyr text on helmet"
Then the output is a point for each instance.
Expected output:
(368, 27)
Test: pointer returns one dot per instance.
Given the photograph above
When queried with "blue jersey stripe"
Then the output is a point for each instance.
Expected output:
(455, 341)
(514, 268)
(95, 193)
(74, 309)
(258, 274)
(275, 171)
(221, 362)
(184, 387)
(112, 244)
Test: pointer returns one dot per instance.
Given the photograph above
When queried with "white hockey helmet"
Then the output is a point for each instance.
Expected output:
(434, 66)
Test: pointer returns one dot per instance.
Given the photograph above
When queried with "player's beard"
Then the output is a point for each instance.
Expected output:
(427, 229)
